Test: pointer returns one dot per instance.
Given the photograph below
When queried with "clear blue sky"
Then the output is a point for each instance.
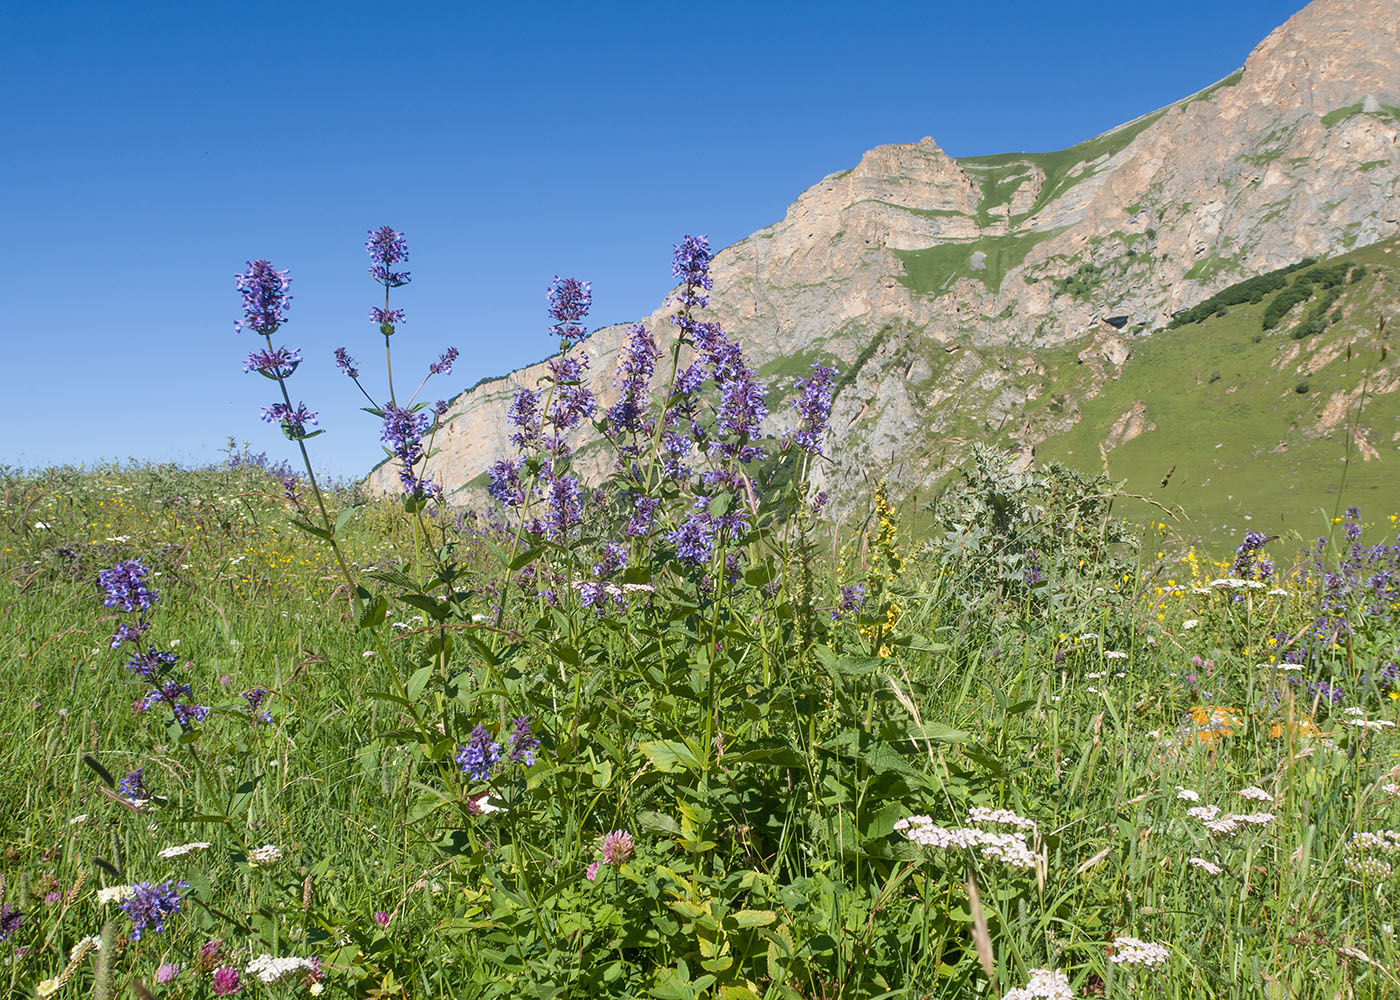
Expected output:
(151, 149)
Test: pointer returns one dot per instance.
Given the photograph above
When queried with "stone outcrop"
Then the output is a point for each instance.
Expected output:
(939, 284)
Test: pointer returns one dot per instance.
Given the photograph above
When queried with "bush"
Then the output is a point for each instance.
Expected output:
(1302, 387)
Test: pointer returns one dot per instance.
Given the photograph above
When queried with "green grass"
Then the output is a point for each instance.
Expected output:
(1222, 409)
(933, 271)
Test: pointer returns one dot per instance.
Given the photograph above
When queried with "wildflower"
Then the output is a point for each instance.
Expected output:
(265, 297)
(1373, 724)
(167, 973)
(125, 585)
(267, 854)
(480, 754)
(1044, 984)
(1190, 623)
(1203, 813)
(115, 893)
(225, 981)
(254, 697)
(292, 419)
(1131, 951)
(569, 302)
(133, 785)
(980, 814)
(180, 850)
(381, 918)
(273, 364)
(523, 743)
(1255, 793)
(149, 905)
(346, 363)
(635, 367)
(504, 485)
(1006, 847)
(443, 365)
(813, 404)
(1114, 654)
(1186, 794)
(385, 247)
(46, 987)
(270, 969)
(618, 847)
(10, 920)
(592, 873)
(694, 539)
(852, 599)
(1208, 867)
(691, 263)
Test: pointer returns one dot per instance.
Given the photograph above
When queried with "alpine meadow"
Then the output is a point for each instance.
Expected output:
(982, 583)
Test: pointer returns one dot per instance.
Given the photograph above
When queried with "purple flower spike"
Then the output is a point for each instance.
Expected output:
(265, 297)
(385, 247)
(274, 364)
(444, 363)
(10, 920)
(346, 363)
(293, 421)
(569, 302)
(480, 754)
(691, 263)
(523, 743)
(124, 584)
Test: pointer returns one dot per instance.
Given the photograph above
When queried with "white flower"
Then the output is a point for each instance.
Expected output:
(1094, 675)
(981, 814)
(270, 969)
(90, 943)
(1205, 866)
(1279, 592)
(367, 654)
(1186, 794)
(1256, 793)
(41, 526)
(1204, 813)
(1006, 847)
(46, 988)
(180, 850)
(1114, 654)
(1044, 984)
(1257, 819)
(80, 818)
(1087, 636)
(315, 989)
(1370, 723)
(115, 893)
(1191, 623)
(265, 855)
(1353, 710)
(1131, 951)
(1392, 789)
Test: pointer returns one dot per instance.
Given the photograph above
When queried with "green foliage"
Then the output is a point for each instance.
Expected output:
(1250, 290)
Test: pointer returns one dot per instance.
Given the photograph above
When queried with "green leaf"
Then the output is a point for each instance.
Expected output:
(750, 918)
(525, 558)
(670, 755)
(375, 410)
(418, 682)
(939, 732)
(310, 528)
(437, 609)
(343, 520)
(374, 613)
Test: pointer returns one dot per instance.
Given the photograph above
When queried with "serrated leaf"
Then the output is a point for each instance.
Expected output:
(374, 613)
(670, 755)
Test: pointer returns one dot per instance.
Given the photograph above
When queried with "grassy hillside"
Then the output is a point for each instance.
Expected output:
(1258, 421)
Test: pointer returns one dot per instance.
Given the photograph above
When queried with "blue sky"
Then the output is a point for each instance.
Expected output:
(151, 149)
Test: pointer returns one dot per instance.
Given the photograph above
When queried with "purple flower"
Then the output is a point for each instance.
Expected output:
(293, 421)
(129, 632)
(444, 363)
(569, 302)
(149, 663)
(691, 263)
(225, 980)
(385, 247)
(254, 697)
(643, 516)
(125, 586)
(167, 973)
(10, 920)
(133, 785)
(694, 540)
(523, 743)
(504, 484)
(524, 413)
(390, 317)
(149, 906)
(813, 404)
(346, 363)
(265, 297)
(618, 847)
(634, 371)
(403, 432)
(565, 507)
(274, 364)
(480, 754)
(187, 715)
(852, 599)
(381, 917)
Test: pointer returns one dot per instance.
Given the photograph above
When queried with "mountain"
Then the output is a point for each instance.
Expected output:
(940, 286)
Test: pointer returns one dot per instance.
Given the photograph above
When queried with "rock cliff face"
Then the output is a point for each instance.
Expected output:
(937, 284)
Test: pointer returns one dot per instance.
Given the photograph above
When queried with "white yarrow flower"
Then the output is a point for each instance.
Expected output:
(265, 855)
(1186, 794)
(1191, 623)
(179, 850)
(1045, 984)
(1208, 867)
(115, 893)
(1256, 793)
(1115, 654)
(1132, 951)
(270, 969)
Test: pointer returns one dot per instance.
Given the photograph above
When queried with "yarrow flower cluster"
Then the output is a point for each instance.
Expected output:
(1005, 847)
(270, 969)
(267, 854)
(1365, 854)
(1210, 868)
(180, 850)
(1132, 951)
(1044, 984)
